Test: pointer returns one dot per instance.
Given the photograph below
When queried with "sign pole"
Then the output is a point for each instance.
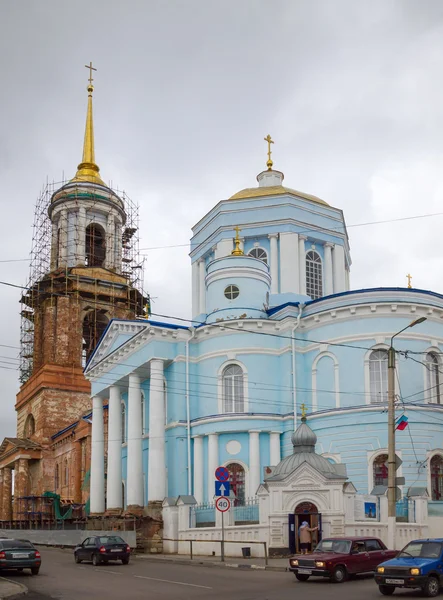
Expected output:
(223, 538)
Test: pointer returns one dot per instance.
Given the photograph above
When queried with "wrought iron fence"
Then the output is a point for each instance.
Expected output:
(202, 515)
(247, 513)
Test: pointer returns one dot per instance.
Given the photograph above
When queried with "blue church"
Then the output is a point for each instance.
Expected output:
(275, 325)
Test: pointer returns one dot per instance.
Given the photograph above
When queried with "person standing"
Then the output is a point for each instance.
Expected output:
(304, 534)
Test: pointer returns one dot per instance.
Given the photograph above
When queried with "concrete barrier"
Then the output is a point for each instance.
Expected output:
(70, 538)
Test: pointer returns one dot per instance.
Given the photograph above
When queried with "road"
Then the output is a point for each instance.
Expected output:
(60, 578)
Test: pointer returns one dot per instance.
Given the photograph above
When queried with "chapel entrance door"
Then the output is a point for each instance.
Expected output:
(305, 511)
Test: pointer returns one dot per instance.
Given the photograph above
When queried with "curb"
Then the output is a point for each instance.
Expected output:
(206, 563)
(23, 590)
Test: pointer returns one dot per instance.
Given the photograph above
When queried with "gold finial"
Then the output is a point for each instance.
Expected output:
(303, 411)
(237, 250)
(88, 170)
(409, 280)
(270, 141)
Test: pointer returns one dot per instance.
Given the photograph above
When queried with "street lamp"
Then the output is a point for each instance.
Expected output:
(391, 436)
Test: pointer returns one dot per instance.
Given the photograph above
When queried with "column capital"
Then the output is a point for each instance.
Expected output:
(213, 434)
(302, 237)
(275, 432)
(329, 244)
(273, 236)
(198, 436)
(255, 431)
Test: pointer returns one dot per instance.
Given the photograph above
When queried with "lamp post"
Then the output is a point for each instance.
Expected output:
(391, 436)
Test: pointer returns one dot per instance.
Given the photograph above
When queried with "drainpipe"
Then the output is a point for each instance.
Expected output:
(294, 392)
(188, 411)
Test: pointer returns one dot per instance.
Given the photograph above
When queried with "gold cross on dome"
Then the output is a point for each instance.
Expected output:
(303, 410)
(237, 232)
(270, 141)
(91, 68)
(409, 280)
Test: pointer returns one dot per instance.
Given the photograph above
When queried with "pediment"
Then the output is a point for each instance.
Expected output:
(305, 474)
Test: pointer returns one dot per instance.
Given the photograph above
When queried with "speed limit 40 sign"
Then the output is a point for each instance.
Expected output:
(222, 504)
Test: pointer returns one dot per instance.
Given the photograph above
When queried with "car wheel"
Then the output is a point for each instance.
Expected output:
(432, 587)
(301, 577)
(20, 570)
(35, 570)
(95, 560)
(339, 575)
(77, 559)
(386, 590)
(125, 561)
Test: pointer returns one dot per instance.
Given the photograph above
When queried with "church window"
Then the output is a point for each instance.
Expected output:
(260, 254)
(94, 324)
(57, 478)
(232, 292)
(237, 481)
(314, 278)
(123, 423)
(433, 377)
(95, 246)
(436, 465)
(380, 469)
(378, 376)
(29, 426)
(233, 389)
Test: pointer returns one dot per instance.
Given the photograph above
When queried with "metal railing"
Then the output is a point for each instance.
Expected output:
(247, 512)
(222, 542)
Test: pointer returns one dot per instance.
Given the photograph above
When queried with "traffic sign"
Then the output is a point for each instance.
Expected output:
(222, 489)
(222, 504)
(222, 474)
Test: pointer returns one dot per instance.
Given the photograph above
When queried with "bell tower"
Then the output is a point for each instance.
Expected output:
(84, 272)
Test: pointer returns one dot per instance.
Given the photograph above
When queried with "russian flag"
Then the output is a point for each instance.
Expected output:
(401, 423)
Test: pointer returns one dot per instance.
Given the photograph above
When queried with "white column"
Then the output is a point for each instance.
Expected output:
(198, 469)
(273, 262)
(212, 463)
(347, 279)
(97, 489)
(302, 263)
(329, 289)
(289, 266)
(254, 462)
(63, 248)
(110, 254)
(156, 460)
(134, 483)
(118, 246)
(195, 288)
(202, 286)
(274, 448)
(54, 245)
(81, 235)
(224, 248)
(114, 481)
(339, 269)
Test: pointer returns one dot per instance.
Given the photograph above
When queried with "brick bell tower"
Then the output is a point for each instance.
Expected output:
(91, 277)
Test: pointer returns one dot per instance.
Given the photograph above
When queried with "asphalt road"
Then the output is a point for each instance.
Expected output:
(62, 579)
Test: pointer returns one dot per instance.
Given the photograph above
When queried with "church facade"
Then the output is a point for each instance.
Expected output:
(275, 326)
(66, 309)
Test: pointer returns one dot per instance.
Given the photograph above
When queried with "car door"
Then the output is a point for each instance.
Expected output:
(89, 548)
(375, 552)
(359, 558)
(81, 551)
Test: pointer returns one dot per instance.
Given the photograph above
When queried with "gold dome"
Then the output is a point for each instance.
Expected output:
(275, 190)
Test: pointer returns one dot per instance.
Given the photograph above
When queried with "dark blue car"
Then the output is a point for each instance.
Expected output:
(418, 565)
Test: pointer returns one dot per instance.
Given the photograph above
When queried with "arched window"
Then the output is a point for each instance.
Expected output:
(66, 473)
(314, 278)
(29, 426)
(233, 389)
(94, 325)
(436, 466)
(57, 478)
(378, 376)
(380, 469)
(95, 246)
(259, 253)
(237, 481)
(433, 377)
(123, 423)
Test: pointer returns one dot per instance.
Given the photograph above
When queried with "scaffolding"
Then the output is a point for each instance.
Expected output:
(48, 280)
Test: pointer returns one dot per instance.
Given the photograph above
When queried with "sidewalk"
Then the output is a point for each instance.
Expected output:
(11, 589)
(274, 564)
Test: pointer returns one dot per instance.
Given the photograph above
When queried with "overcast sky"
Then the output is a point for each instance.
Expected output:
(186, 90)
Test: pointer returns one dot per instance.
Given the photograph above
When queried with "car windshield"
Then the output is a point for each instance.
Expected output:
(6, 544)
(422, 550)
(111, 539)
(337, 546)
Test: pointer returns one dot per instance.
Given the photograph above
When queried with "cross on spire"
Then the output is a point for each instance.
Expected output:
(270, 141)
(409, 280)
(303, 410)
(91, 68)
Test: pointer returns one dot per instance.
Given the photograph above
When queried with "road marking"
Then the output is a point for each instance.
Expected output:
(107, 571)
(176, 582)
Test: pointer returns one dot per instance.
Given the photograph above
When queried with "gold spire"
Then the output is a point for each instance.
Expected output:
(409, 280)
(303, 410)
(237, 250)
(87, 170)
(269, 162)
